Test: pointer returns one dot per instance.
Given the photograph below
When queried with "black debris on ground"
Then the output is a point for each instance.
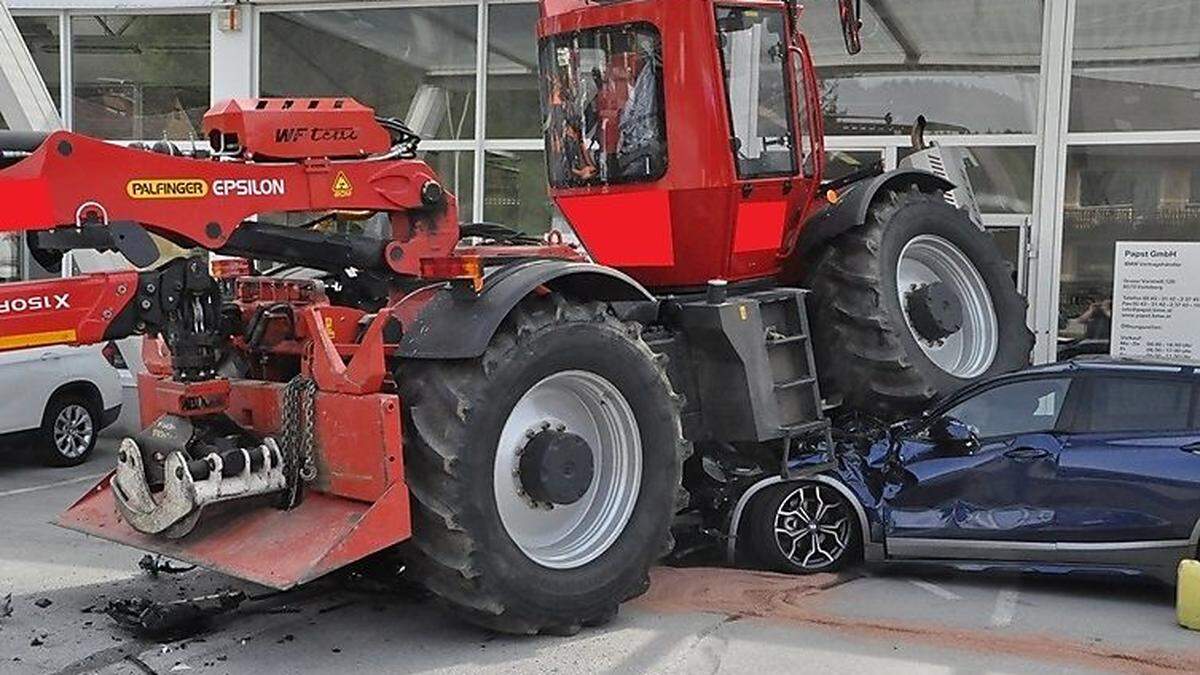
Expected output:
(43, 603)
(155, 565)
(6, 609)
(171, 620)
(38, 641)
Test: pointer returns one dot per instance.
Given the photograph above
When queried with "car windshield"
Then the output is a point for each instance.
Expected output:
(1025, 407)
(603, 105)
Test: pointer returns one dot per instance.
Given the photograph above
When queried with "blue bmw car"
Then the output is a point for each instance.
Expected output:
(1087, 466)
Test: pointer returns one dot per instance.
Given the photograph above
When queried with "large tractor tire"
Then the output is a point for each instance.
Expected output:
(544, 475)
(912, 306)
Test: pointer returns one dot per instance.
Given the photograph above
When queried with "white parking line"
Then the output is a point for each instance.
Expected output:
(933, 588)
(51, 486)
(1006, 607)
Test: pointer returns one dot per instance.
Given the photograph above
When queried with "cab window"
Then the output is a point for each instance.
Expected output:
(1024, 407)
(754, 56)
(603, 105)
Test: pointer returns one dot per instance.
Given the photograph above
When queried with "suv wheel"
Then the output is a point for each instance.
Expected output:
(68, 433)
(804, 528)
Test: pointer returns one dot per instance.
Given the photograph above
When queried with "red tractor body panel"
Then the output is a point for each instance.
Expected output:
(699, 220)
(295, 128)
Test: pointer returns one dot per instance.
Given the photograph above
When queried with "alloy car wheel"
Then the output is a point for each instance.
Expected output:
(73, 430)
(804, 528)
(69, 429)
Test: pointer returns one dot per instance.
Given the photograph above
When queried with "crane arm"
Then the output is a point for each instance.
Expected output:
(178, 300)
(67, 191)
(76, 311)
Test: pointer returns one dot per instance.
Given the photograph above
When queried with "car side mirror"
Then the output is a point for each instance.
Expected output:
(953, 433)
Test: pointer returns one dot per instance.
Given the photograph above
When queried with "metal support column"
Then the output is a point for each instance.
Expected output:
(1050, 177)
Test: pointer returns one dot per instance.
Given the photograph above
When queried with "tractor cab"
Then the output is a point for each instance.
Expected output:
(683, 138)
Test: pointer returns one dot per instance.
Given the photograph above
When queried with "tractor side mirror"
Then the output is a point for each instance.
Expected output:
(850, 12)
(953, 434)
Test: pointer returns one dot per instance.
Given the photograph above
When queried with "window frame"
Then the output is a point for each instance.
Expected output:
(788, 83)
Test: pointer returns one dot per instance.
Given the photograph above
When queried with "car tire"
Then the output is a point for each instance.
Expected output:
(804, 528)
(69, 429)
(884, 340)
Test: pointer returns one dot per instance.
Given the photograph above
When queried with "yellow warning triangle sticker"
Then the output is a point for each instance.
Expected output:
(342, 186)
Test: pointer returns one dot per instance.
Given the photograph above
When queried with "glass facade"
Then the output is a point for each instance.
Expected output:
(43, 38)
(417, 63)
(1136, 66)
(513, 106)
(1135, 77)
(968, 67)
(140, 76)
(1119, 193)
(1058, 182)
(516, 190)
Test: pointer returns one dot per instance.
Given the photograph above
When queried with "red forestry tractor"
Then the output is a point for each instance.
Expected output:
(519, 410)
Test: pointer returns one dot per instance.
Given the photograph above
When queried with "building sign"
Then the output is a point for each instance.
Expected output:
(1156, 301)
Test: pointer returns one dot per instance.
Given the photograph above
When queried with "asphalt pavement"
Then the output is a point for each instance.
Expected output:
(373, 620)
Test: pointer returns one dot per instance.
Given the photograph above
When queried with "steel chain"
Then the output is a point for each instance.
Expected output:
(308, 438)
(297, 437)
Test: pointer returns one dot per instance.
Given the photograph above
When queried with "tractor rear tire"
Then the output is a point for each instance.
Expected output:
(877, 351)
(502, 548)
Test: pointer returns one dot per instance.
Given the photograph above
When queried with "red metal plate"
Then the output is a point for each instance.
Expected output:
(262, 544)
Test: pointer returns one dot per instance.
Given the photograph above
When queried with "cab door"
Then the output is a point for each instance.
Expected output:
(763, 77)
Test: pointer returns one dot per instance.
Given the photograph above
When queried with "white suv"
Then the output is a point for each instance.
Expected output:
(60, 398)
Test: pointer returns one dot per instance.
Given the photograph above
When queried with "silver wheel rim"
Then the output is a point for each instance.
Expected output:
(73, 431)
(569, 536)
(928, 259)
(812, 527)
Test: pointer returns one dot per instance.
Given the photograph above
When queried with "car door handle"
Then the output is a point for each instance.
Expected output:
(1193, 448)
(1026, 454)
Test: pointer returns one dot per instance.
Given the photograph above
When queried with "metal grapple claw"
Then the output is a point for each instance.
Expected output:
(189, 486)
